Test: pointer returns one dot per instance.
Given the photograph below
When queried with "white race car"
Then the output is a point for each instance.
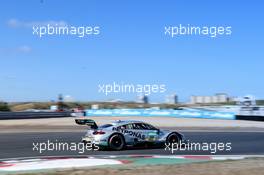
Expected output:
(120, 134)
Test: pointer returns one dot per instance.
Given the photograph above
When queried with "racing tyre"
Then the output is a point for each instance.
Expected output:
(173, 138)
(116, 142)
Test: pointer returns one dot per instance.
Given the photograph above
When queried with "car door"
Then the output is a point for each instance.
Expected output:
(151, 134)
(127, 131)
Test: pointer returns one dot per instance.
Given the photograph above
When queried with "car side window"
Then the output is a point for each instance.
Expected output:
(139, 126)
(135, 126)
(148, 127)
(127, 126)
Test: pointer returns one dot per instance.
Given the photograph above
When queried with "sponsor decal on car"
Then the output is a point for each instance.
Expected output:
(131, 133)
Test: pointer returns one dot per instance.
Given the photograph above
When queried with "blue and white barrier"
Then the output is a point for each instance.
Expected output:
(162, 113)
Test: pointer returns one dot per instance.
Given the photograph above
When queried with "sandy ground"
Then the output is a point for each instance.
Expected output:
(161, 121)
(252, 166)
(68, 124)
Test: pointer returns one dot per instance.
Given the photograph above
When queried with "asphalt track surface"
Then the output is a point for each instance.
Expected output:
(13, 145)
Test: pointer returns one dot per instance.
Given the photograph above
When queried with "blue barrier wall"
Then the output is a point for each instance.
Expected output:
(160, 113)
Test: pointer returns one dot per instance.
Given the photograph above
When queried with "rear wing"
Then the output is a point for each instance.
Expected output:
(86, 121)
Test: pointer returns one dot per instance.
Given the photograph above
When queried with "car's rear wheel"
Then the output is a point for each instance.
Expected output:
(116, 142)
(173, 138)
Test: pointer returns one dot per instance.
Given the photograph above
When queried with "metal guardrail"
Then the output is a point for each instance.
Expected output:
(32, 115)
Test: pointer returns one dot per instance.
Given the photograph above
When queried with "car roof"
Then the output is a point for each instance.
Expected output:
(124, 122)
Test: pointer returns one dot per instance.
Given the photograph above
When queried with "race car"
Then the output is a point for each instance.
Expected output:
(121, 134)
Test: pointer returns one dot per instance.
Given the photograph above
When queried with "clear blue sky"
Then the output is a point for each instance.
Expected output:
(131, 48)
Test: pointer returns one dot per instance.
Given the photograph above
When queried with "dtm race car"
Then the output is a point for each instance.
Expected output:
(121, 134)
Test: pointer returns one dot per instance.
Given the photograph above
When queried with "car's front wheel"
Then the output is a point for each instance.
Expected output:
(116, 142)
